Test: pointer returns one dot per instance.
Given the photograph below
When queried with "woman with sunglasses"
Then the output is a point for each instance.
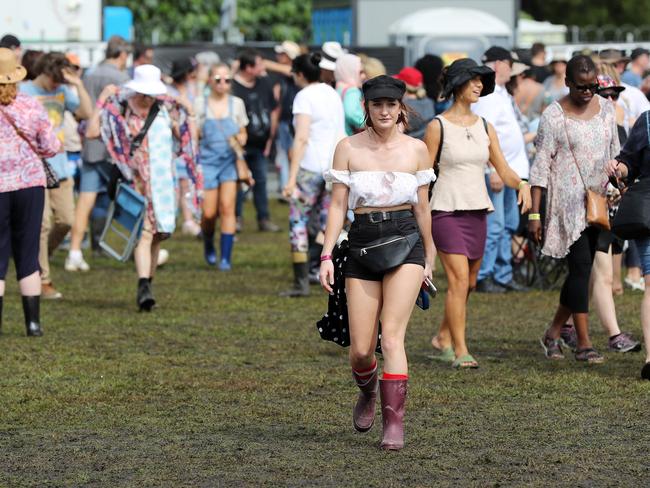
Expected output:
(609, 247)
(222, 122)
(577, 136)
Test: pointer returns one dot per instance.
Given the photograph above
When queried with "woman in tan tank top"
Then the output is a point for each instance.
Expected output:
(460, 201)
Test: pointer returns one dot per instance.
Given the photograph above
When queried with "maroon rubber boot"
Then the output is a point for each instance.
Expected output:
(393, 398)
(363, 413)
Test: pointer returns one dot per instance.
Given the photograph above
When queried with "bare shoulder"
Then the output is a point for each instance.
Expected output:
(342, 154)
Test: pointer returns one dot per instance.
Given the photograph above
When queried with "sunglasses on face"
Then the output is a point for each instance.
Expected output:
(593, 88)
(226, 79)
(611, 95)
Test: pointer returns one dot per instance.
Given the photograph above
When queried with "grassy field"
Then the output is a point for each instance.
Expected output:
(225, 384)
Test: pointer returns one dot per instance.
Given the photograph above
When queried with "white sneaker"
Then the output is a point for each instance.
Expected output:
(163, 256)
(191, 228)
(76, 264)
(635, 285)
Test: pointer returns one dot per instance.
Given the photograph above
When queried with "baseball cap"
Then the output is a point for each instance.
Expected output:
(289, 48)
(411, 76)
(383, 86)
(496, 53)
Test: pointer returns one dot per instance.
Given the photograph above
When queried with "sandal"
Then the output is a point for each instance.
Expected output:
(466, 361)
(589, 355)
(645, 371)
(446, 355)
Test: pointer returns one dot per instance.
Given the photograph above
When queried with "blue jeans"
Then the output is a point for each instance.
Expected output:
(501, 225)
(258, 164)
(283, 143)
(643, 245)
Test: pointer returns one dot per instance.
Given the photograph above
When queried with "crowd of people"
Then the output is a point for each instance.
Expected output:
(458, 162)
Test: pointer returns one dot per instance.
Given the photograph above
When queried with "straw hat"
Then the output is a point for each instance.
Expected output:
(146, 80)
(10, 70)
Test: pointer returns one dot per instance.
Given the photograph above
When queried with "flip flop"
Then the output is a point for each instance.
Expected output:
(645, 372)
(466, 361)
(446, 355)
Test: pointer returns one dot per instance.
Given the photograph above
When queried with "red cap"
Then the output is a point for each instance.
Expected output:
(410, 76)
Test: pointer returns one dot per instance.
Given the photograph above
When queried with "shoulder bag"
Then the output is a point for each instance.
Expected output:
(386, 252)
(51, 179)
(595, 203)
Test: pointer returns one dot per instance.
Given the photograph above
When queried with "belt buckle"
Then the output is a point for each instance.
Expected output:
(381, 216)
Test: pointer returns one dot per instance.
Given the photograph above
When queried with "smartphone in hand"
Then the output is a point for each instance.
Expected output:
(429, 287)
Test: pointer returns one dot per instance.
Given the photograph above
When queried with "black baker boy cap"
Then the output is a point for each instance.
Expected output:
(383, 86)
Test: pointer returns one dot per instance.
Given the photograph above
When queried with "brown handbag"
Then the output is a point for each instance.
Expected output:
(596, 204)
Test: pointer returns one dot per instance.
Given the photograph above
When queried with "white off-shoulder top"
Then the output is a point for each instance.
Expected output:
(380, 188)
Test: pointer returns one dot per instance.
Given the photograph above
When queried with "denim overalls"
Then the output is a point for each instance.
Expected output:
(216, 156)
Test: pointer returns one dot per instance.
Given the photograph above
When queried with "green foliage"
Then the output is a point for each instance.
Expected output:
(589, 12)
(195, 20)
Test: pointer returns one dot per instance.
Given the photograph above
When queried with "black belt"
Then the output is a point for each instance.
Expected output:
(377, 217)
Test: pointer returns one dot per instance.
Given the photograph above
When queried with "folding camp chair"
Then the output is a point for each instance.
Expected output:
(124, 222)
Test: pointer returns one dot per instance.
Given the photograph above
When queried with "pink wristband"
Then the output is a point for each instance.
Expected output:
(326, 257)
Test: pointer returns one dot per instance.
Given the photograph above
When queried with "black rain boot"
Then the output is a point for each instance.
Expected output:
(300, 281)
(145, 298)
(31, 310)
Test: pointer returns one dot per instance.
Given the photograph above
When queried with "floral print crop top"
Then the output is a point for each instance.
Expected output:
(380, 188)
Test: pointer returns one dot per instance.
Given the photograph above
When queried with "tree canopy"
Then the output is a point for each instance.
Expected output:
(589, 12)
(196, 20)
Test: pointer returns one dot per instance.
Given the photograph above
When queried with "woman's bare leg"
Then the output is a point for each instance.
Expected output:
(142, 254)
(458, 276)
(602, 296)
(400, 290)
(364, 303)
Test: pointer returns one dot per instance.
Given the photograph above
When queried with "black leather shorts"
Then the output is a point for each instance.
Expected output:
(363, 231)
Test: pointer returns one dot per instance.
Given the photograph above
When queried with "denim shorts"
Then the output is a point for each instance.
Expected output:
(363, 232)
(643, 245)
(216, 174)
(94, 176)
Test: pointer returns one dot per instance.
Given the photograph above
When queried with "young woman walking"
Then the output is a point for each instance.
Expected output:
(577, 136)
(222, 123)
(383, 175)
(463, 144)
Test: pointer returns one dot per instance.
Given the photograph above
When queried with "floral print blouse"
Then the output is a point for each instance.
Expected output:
(593, 142)
(20, 166)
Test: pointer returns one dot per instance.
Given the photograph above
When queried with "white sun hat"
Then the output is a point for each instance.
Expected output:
(146, 80)
(331, 51)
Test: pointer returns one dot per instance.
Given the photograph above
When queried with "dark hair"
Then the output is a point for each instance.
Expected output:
(431, 68)
(248, 58)
(116, 46)
(405, 113)
(52, 65)
(307, 65)
(140, 49)
(579, 64)
(537, 48)
(30, 58)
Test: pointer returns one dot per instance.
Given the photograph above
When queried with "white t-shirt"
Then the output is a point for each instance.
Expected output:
(238, 111)
(327, 128)
(633, 101)
(497, 108)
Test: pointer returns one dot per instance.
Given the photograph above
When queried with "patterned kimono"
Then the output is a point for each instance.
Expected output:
(152, 168)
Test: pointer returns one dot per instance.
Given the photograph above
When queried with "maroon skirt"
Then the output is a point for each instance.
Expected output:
(460, 232)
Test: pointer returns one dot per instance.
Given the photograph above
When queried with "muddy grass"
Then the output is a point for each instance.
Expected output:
(226, 384)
